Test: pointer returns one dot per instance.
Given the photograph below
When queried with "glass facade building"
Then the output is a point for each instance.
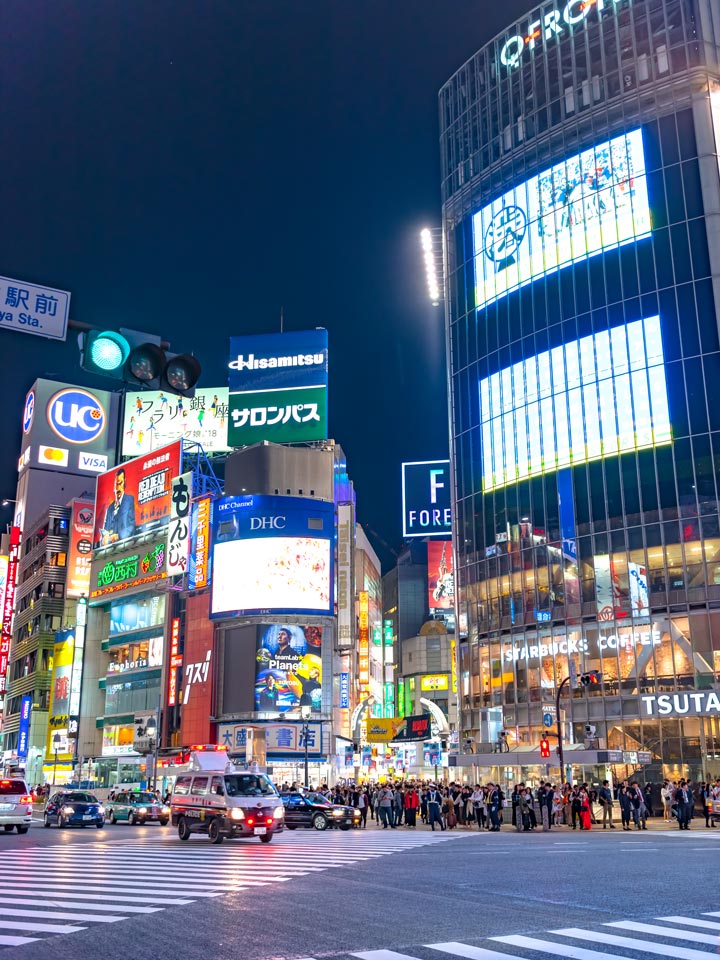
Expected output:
(581, 219)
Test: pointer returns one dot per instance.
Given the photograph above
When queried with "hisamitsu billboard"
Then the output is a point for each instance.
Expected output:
(426, 499)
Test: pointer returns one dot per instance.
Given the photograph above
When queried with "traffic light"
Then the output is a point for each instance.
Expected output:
(544, 749)
(138, 358)
(590, 679)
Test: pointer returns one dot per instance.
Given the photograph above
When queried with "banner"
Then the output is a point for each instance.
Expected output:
(441, 578)
(136, 497)
(281, 739)
(80, 553)
(178, 541)
(8, 607)
(24, 729)
(288, 670)
(396, 729)
(154, 419)
(200, 565)
(345, 585)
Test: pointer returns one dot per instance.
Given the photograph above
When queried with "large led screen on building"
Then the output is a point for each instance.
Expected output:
(288, 667)
(595, 397)
(591, 202)
(272, 554)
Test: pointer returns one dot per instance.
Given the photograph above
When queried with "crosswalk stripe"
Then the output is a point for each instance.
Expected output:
(16, 941)
(669, 932)
(381, 955)
(465, 950)
(39, 927)
(54, 915)
(40, 887)
(207, 879)
(557, 949)
(691, 922)
(645, 946)
(199, 890)
(715, 913)
(52, 902)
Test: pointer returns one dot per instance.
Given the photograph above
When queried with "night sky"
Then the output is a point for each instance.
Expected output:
(190, 168)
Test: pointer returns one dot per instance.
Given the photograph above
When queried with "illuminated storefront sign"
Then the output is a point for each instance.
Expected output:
(453, 664)
(588, 203)
(401, 698)
(389, 699)
(344, 691)
(200, 544)
(281, 739)
(625, 638)
(556, 22)
(432, 683)
(178, 538)
(596, 397)
(426, 499)
(131, 570)
(694, 703)
(175, 661)
(345, 593)
(24, 730)
(8, 605)
(363, 640)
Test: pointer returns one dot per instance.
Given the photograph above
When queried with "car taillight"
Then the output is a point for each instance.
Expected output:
(26, 799)
(250, 821)
(269, 821)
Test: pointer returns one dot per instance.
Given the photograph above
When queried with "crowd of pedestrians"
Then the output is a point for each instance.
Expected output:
(487, 807)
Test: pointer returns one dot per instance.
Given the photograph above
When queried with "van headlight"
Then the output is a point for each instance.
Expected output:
(237, 813)
(278, 813)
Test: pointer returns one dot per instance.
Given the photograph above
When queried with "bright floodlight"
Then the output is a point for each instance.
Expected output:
(426, 240)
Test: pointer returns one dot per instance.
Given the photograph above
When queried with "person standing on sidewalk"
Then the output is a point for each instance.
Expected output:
(606, 802)
(412, 802)
(683, 799)
(385, 808)
(639, 808)
(626, 804)
(542, 802)
(434, 802)
(494, 807)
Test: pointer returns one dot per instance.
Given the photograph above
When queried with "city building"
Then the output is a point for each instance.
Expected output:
(581, 220)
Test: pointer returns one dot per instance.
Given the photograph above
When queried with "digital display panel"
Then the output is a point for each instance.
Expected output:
(276, 573)
(288, 670)
(591, 202)
(595, 397)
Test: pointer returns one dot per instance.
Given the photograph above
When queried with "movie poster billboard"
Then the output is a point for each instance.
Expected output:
(441, 578)
(135, 498)
(80, 553)
(288, 670)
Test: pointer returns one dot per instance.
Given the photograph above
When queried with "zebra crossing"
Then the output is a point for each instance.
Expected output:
(64, 889)
(662, 937)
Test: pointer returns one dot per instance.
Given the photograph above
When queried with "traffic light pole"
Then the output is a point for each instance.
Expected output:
(559, 731)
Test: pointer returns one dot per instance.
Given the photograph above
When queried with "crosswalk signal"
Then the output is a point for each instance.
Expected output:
(138, 358)
(544, 749)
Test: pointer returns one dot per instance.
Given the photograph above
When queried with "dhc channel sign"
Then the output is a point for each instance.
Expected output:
(76, 416)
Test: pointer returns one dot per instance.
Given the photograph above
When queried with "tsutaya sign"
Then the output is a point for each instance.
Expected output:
(695, 702)
(554, 23)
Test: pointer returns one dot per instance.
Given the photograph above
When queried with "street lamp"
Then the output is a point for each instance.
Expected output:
(56, 742)
(7, 501)
(306, 713)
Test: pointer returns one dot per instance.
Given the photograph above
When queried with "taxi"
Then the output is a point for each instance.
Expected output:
(133, 807)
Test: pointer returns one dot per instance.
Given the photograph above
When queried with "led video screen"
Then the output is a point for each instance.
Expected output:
(272, 573)
(591, 202)
(595, 397)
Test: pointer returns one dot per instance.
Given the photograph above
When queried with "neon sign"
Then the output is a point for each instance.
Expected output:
(554, 23)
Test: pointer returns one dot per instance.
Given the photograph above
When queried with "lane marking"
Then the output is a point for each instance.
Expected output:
(661, 949)
(656, 931)
(558, 949)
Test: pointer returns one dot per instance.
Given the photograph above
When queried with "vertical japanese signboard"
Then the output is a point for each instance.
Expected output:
(345, 591)
(200, 543)
(363, 641)
(24, 729)
(178, 541)
(175, 662)
(80, 553)
(7, 613)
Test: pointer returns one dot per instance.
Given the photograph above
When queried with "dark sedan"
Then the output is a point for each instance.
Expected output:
(315, 810)
(74, 808)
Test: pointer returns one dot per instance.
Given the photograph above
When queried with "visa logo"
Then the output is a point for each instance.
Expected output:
(93, 462)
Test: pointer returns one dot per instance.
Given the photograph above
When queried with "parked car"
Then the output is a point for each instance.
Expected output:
(315, 810)
(15, 805)
(136, 807)
(74, 808)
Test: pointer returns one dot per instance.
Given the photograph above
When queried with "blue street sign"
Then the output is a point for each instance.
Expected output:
(548, 719)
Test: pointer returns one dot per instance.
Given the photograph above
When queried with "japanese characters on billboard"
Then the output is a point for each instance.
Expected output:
(272, 554)
(8, 606)
(288, 669)
(281, 739)
(60, 691)
(80, 553)
(154, 419)
(199, 563)
(129, 568)
(345, 591)
(136, 497)
(178, 541)
(441, 579)
(278, 387)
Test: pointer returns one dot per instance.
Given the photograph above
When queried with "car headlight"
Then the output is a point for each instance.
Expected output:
(68, 809)
(165, 810)
(101, 811)
(338, 813)
(278, 813)
(237, 813)
(142, 809)
(356, 813)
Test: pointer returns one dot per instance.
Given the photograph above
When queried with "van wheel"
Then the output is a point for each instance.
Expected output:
(320, 822)
(214, 833)
(183, 829)
(266, 839)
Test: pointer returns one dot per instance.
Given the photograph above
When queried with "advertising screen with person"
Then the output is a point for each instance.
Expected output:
(441, 581)
(288, 671)
(135, 497)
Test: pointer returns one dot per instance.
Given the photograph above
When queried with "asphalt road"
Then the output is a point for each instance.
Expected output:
(311, 895)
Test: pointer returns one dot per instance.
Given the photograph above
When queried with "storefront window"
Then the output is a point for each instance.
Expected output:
(137, 614)
(136, 656)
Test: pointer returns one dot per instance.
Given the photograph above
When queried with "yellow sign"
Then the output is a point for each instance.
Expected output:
(60, 698)
(381, 730)
(439, 682)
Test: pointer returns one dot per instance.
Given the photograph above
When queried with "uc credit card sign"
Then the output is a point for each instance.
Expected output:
(426, 497)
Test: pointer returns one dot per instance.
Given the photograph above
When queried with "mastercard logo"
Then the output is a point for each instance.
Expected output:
(53, 456)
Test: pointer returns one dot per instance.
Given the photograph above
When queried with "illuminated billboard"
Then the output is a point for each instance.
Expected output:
(426, 499)
(599, 396)
(135, 498)
(441, 579)
(272, 554)
(593, 201)
(288, 670)
(80, 554)
(155, 418)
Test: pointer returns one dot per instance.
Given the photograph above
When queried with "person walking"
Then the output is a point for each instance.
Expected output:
(399, 806)
(606, 802)
(385, 808)
(412, 802)
(639, 810)
(707, 796)
(626, 804)
(362, 804)
(434, 803)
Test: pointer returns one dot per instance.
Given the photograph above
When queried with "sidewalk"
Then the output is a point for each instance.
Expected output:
(654, 824)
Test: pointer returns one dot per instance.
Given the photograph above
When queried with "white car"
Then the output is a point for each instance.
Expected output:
(16, 805)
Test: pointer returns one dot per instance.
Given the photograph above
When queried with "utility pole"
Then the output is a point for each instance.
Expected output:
(559, 730)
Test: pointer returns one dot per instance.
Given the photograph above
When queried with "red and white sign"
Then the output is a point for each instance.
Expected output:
(175, 662)
(80, 553)
(8, 606)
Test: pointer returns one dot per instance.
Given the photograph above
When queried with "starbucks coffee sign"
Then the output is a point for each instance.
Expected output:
(695, 703)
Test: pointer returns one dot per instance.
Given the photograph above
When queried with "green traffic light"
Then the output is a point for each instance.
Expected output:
(109, 351)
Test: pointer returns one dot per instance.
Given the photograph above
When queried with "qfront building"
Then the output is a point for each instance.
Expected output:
(581, 220)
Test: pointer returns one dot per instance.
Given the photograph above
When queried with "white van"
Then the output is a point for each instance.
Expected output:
(214, 797)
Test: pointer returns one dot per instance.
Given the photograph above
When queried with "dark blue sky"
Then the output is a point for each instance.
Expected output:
(189, 168)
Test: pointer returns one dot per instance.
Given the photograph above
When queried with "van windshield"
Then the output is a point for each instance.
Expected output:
(248, 785)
